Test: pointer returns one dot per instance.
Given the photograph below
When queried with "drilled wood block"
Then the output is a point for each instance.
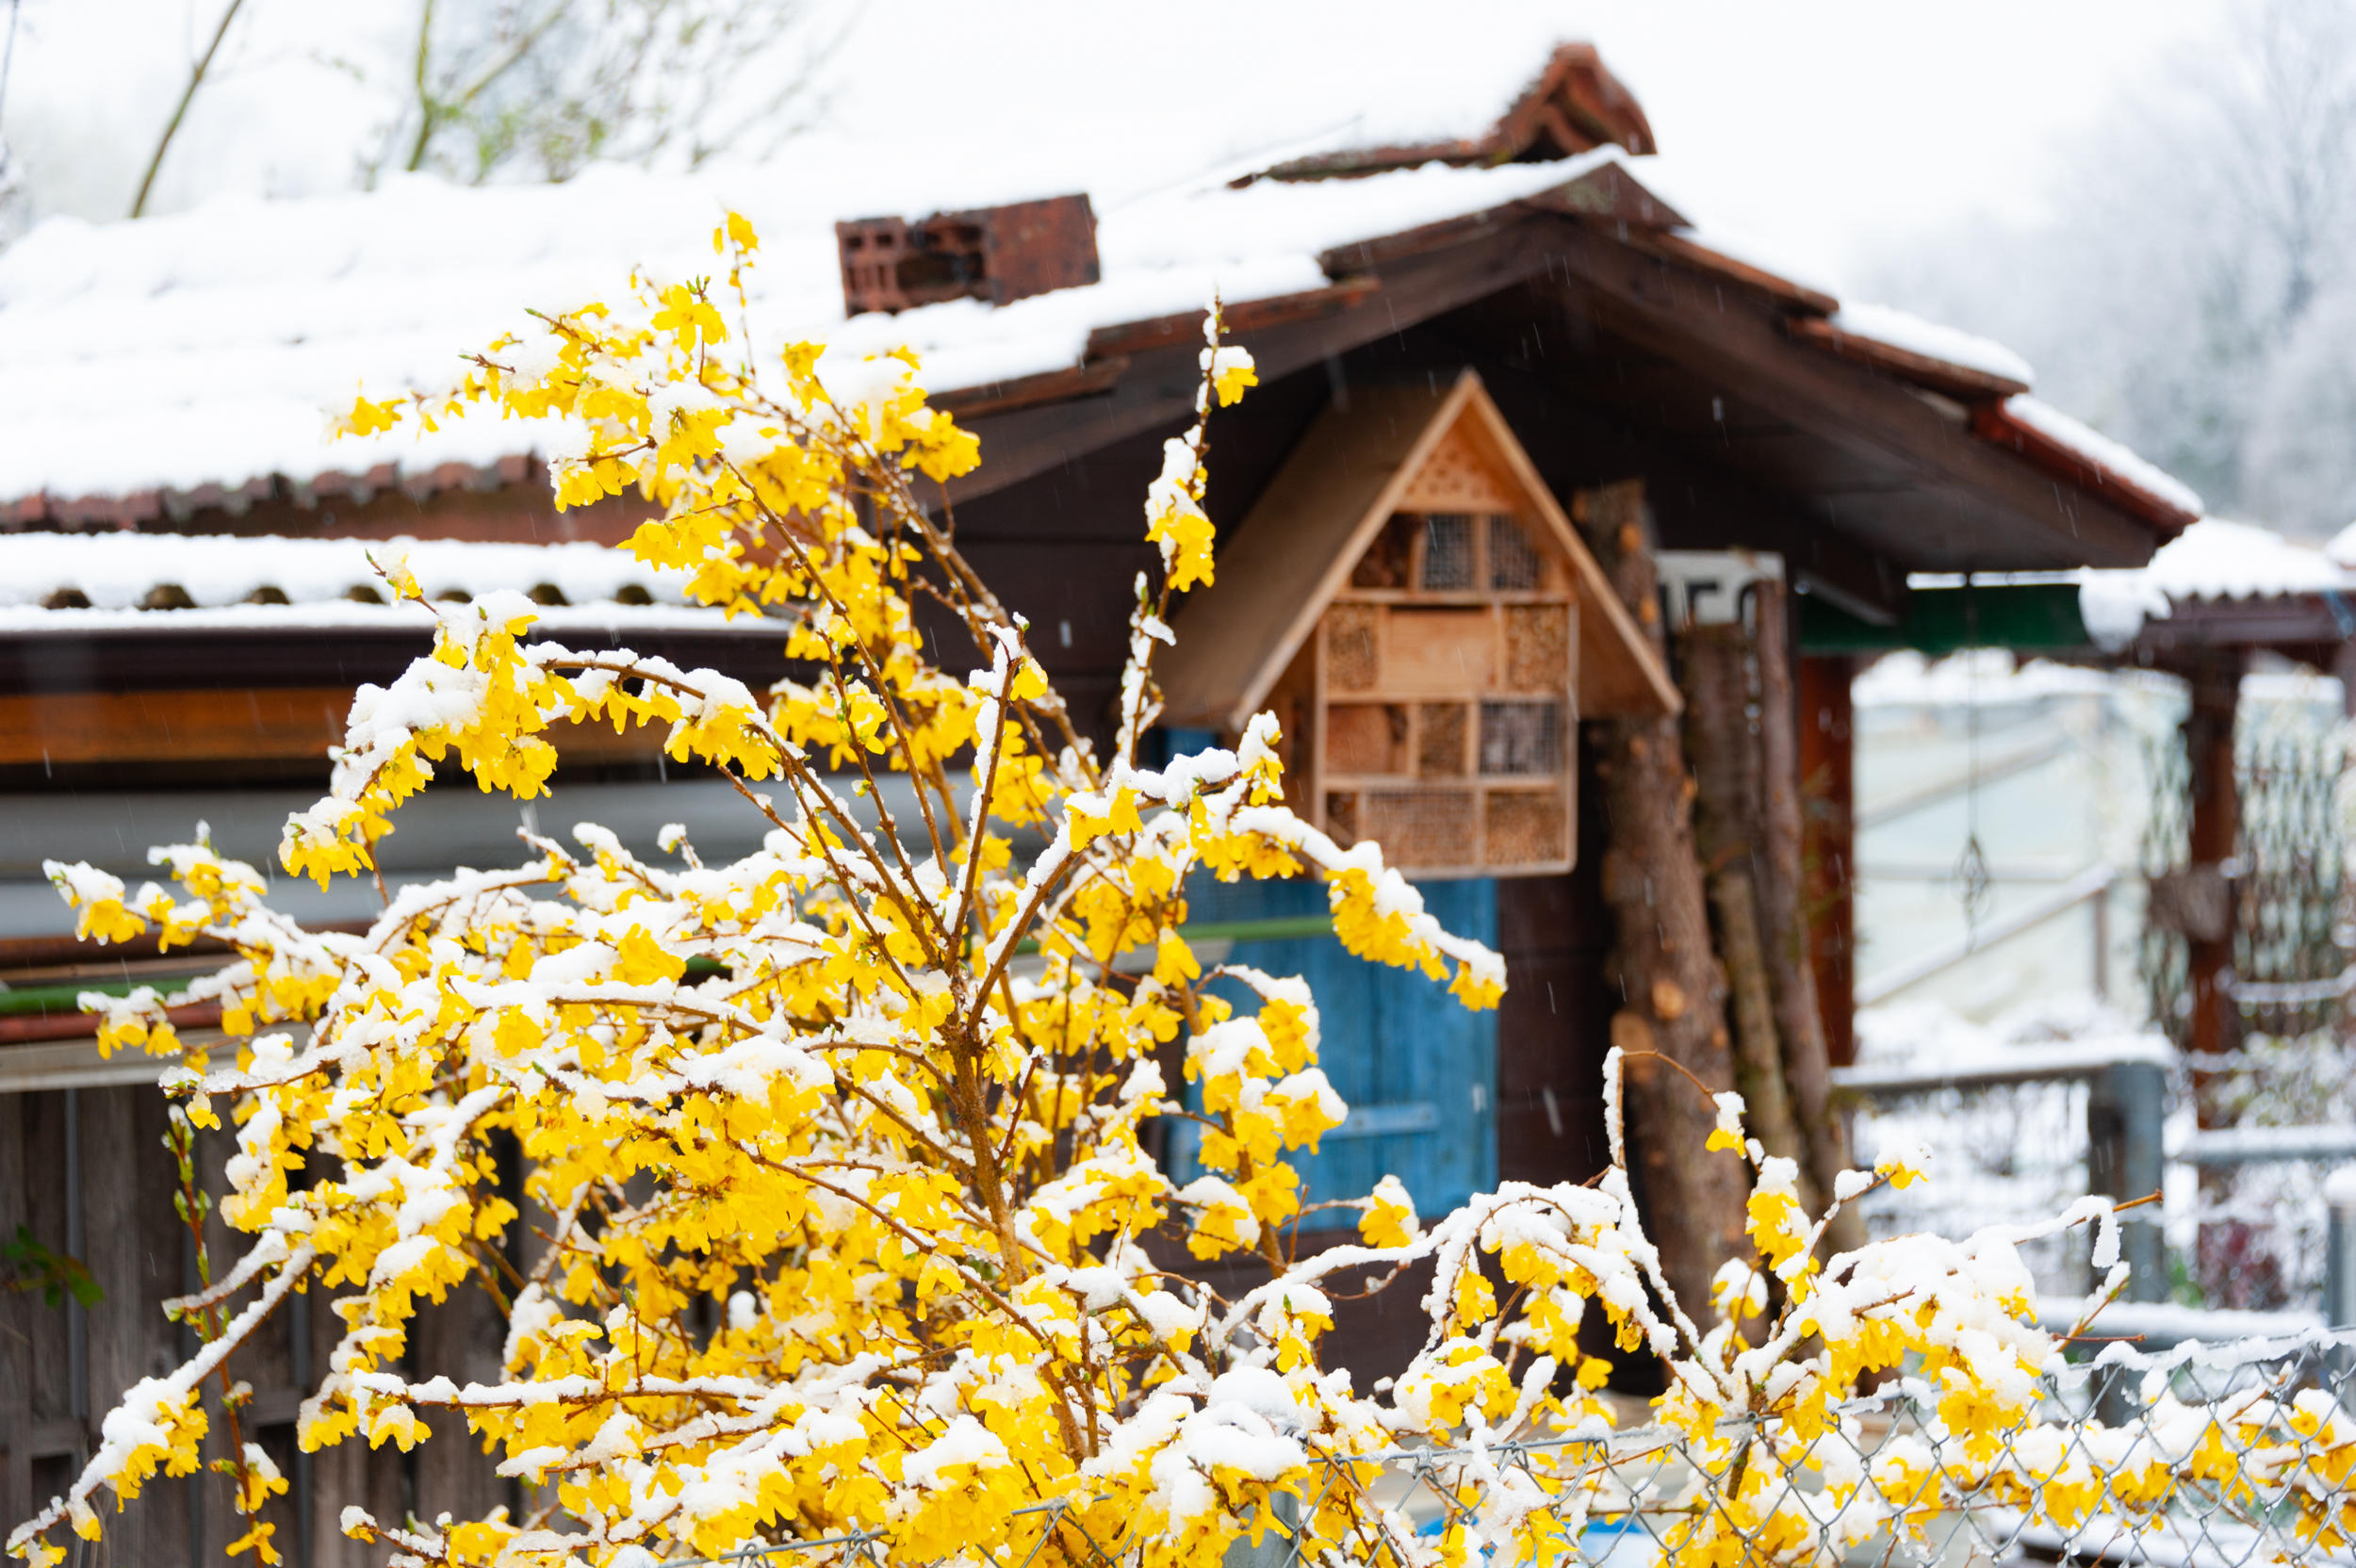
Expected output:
(1440, 740)
(1366, 738)
(1422, 827)
(1537, 646)
(1525, 828)
(1352, 662)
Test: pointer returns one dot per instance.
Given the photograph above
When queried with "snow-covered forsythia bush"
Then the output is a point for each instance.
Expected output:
(837, 1210)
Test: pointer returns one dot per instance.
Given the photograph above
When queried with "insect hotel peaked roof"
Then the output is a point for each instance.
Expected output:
(1416, 606)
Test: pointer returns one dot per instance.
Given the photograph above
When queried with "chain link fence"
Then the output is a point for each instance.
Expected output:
(2004, 1154)
(2205, 1457)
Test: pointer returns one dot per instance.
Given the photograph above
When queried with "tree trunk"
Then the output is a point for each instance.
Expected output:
(1783, 919)
(1669, 983)
(1715, 678)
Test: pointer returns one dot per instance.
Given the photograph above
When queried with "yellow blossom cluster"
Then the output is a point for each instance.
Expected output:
(837, 1216)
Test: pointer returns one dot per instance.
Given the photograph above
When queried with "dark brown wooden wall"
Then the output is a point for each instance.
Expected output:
(1554, 1024)
(58, 1381)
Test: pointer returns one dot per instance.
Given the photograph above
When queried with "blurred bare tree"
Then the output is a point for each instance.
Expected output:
(2192, 294)
(197, 70)
(536, 89)
(12, 204)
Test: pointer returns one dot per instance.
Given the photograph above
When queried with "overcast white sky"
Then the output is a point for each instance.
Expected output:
(1833, 127)
(1831, 130)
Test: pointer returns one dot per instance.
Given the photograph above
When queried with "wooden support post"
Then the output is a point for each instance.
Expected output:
(1781, 860)
(1828, 845)
(2215, 828)
(1714, 673)
(1672, 1004)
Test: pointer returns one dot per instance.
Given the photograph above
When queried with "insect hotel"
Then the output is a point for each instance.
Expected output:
(1414, 605)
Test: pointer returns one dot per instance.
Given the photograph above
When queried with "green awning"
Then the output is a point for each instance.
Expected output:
(2037, 617)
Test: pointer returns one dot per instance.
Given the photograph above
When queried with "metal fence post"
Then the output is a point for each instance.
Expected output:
(1277, 1548)
(2339, 1250)
(2126, 1107)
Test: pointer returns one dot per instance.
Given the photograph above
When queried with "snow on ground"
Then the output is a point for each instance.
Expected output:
(1924, 1035)
(1983, 675)
(1993, 678)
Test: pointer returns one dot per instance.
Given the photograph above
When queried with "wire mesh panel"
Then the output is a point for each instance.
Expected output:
(2258, 1240)
(1521, 738)
(1440, 729)
(2293, 893)
(2289, 911)
(1351, 662)
(2263, 1224)
(1515, 563)
(2166, 848)
(1448, 552)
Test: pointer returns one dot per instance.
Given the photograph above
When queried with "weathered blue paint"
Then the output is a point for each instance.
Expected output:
(1179, 743)
(1419, 1071)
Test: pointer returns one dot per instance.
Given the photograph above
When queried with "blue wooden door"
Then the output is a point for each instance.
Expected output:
(1419, 1071)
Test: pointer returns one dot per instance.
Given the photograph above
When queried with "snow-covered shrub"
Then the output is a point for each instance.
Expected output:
(839, 1221)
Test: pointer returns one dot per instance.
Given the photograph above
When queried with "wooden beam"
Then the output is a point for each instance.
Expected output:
(1682, 246)
(2290, 621)
(1942, 375)
(1997, 424)
(160, 652)
(2212, 839)
(1696, 503)
(74, 1064)
(1052, 386)
(1160, 387)
(213, 724)
(1184, 330)
(1682, 314)
(1829, 845)
(210, 726)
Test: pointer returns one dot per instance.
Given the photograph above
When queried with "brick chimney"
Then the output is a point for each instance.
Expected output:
(1000, 253)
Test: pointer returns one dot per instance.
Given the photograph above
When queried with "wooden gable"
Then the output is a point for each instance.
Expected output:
(1417, 610)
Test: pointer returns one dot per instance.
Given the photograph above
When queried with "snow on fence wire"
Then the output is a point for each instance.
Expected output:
(2018, 1130)
(2215, 1456)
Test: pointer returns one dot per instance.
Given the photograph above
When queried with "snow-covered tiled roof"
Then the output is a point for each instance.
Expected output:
(123, 571)
(2111, 456)
(1898, 329)
(93, 582)
(203, 349)
(189, 360)
(2214, 559)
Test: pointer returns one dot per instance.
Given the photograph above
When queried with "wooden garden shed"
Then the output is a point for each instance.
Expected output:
(1483, 325)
